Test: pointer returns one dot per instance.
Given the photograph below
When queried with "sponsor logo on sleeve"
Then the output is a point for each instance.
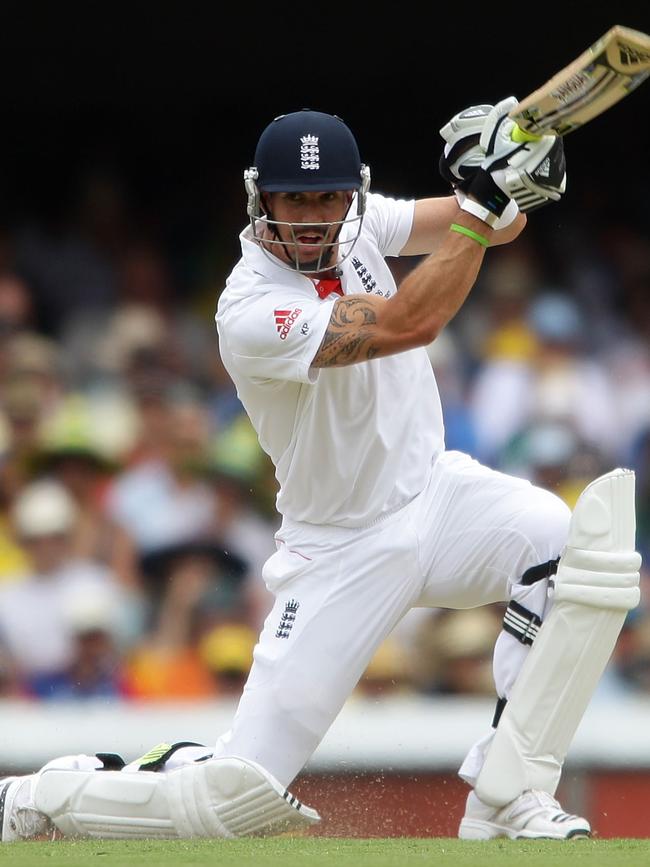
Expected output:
(285, 319)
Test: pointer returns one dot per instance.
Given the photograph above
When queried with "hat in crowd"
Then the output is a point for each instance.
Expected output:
(158, 562)
(22, 400)
(228, 647)
(554, 316)
(43, 508)
(387, 663)
(549, 443)
(91, 607)
(236, 452)
(513, 341)
(470, 632)
(30, 352)
(132, 328)
(71, 431)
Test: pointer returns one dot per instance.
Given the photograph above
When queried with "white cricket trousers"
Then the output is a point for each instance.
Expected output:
(465, 541)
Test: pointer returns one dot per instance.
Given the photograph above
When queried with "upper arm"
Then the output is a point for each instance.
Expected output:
(358, 330)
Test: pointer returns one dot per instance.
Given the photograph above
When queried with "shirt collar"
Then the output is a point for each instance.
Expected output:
(255, 258)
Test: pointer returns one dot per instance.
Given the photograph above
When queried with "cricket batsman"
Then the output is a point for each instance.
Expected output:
(328, 357)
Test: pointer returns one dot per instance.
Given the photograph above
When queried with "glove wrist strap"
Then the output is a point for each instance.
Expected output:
(488, 193)
(480, 211)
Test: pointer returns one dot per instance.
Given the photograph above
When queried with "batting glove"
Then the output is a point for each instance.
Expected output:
(531, 170)
(462, 154)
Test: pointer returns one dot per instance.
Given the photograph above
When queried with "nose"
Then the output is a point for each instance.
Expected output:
(314, 215)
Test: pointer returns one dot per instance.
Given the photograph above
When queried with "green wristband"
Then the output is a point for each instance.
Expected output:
(463, 230)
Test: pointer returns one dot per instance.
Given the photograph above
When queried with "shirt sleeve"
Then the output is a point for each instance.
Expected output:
(275, 336)
(390, 222)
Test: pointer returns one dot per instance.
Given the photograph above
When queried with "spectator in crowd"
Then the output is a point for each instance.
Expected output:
(194, 587)
(244, 488)
(162, 498)
(451, 651)
(10, 686)
(96, 668)
(632, 657)
(555, 379)
(494, 323)
(16, 310)
(222, 400)
(452, 376)
(387, 673)
(69, 451)
(35, 611)
(551, 453)
(68, 251)
(32, 386)
(112, 388)
(227, 650)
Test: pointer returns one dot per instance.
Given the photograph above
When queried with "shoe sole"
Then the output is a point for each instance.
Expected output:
(473, 829)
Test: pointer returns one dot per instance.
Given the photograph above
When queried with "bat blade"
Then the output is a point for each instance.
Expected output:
(607, 71)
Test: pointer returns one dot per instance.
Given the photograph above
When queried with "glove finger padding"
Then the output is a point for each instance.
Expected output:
(538, 177)
(462, 154)
(535, 175)
(496, 135)
(483, 159)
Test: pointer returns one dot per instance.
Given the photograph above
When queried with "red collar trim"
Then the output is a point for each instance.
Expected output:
(326, 287)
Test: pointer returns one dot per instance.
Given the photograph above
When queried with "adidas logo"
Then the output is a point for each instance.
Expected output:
(284, 320)
(478, 111)
(544, 168)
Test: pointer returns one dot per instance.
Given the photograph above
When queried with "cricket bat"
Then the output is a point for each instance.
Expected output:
(602, 75)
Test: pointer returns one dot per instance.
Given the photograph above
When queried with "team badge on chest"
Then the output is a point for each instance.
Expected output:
(367, 280)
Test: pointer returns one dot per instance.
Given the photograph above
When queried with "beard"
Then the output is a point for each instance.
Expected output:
(321, 263)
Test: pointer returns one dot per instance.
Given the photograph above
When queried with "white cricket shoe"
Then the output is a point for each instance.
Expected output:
(534, 814)
(19, 820)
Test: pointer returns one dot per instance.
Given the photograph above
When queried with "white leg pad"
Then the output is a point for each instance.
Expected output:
(597, 583)
(223, 797)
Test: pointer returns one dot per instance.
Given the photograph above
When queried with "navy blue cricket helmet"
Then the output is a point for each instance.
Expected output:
(307, 151)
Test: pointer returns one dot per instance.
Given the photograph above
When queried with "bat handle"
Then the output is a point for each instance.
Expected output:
(520, 135)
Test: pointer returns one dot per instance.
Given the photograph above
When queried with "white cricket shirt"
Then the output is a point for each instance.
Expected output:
(349, 444)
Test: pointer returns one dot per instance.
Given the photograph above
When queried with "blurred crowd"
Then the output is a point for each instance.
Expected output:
(137, 508)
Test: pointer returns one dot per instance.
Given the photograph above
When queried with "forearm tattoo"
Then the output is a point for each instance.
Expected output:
(350, 336)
